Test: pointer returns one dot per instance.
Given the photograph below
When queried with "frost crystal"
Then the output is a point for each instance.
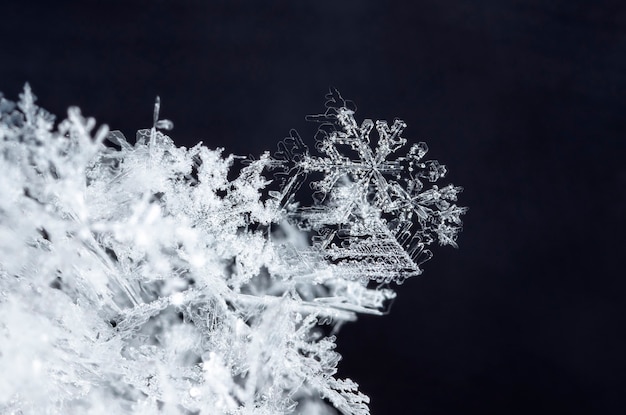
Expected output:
(373, 217)
(140, 279)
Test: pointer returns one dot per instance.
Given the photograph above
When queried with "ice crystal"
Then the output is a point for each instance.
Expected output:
(373, 216)
(140, 279)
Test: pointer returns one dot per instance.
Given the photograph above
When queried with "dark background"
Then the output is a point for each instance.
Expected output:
(523, 100)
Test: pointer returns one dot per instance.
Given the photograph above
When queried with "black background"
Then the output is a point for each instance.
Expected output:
(523, 100)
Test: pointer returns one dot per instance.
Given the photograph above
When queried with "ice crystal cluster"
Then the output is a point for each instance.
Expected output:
(146, 278)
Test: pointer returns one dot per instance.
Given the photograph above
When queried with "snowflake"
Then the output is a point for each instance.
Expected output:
(372, 214)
